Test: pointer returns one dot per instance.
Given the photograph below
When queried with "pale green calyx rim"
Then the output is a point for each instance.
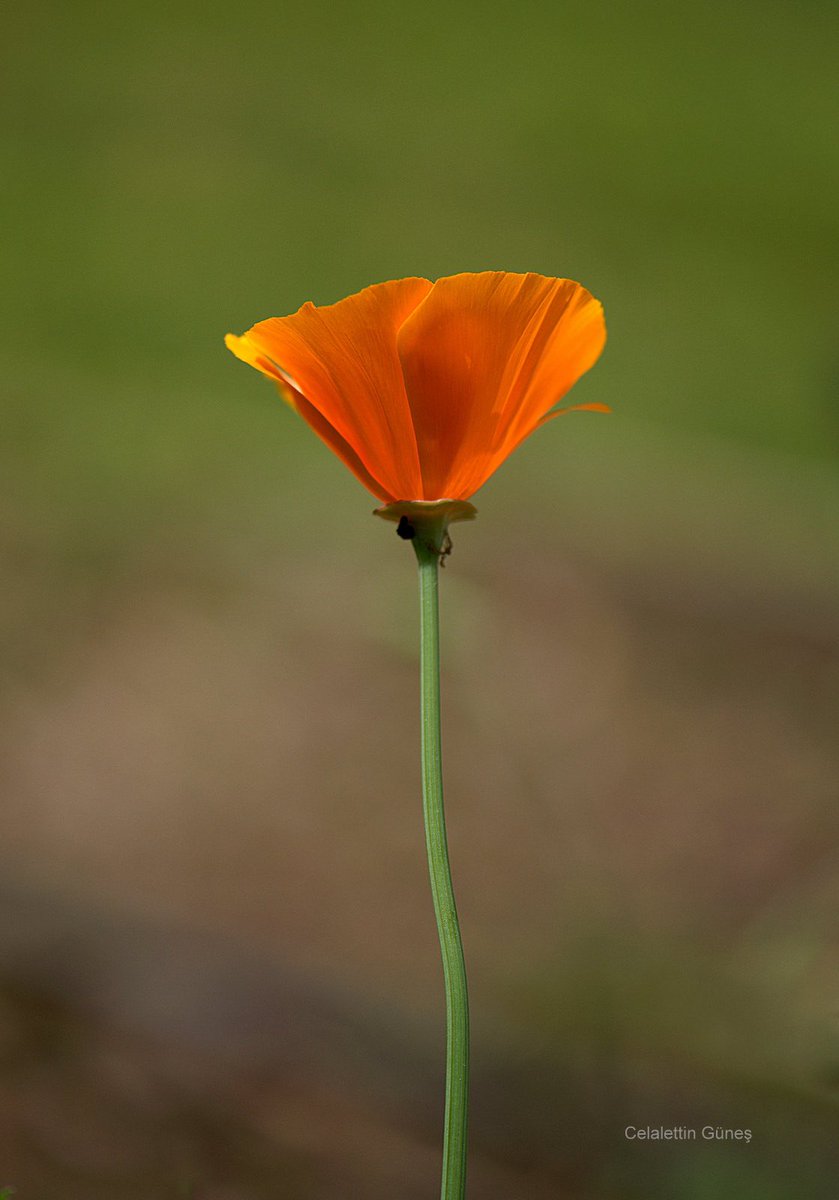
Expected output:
(427, 521)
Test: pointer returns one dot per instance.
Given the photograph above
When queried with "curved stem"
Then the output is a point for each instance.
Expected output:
(454, 968)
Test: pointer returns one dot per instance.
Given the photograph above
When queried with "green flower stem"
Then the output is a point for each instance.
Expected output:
(451, 947)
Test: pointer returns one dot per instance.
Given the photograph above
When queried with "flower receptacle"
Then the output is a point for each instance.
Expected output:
(426, 522)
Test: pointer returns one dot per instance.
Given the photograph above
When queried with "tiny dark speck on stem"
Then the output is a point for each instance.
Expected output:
(405, 529)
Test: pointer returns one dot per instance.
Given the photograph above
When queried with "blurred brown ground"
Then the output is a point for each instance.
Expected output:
(220, 966)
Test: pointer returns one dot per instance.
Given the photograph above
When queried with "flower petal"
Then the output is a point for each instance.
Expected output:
(485, 356)
(569, 339)
(244, 349)
(342, 358)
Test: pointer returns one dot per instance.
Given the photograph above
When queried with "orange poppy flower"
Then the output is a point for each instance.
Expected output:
(423, 389)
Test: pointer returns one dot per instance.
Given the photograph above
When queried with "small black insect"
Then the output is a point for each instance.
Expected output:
(405, 529)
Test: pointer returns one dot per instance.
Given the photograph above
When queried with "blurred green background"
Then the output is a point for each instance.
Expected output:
(219, 973)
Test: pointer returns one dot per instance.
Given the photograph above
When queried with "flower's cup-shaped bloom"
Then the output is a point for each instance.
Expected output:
(423, 389)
